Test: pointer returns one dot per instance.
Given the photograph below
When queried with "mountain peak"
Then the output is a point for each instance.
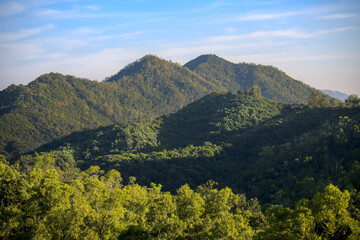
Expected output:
(149, 57)
(206, 58)
(138, 66)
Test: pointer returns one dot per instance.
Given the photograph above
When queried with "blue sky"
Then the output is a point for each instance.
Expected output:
(317, 42)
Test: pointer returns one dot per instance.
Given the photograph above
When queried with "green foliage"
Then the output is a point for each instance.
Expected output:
(40, 204)
(319, 99)
(94, 205)
(275, 152)
(274, 84)
(55, 105)
(326, 216)
(353, 100)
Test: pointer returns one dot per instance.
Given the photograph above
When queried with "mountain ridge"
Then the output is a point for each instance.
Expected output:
(54, 105)
(336, 94)
(274, 83)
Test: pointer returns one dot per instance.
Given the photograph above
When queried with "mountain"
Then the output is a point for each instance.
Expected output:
(336, 94)
(274, 84)
(276, 152)
(214, 117)
(55, 105)
(160, 86)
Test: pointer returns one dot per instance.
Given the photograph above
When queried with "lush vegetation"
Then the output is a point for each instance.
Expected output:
(275, 152)
(287, 156)
(297, 164)
(274, 84)
(55, 105)
(58, 201)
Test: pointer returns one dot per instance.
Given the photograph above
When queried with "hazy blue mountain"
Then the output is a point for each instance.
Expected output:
(336, 94)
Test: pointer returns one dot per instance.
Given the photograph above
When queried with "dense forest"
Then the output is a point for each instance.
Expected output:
(244, 75)
(58, 201)
(55, 105)
(273, 151)
(209, 150)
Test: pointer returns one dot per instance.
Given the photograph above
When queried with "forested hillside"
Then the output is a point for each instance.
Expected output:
(276, 152)
(274, 83)
(237, 166)
(55, 105)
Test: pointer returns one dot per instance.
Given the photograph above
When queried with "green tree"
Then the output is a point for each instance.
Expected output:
(353, 100)
(318, 99)
(285, 223)
(332, 219)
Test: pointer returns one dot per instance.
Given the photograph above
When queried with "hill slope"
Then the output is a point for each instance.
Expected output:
(274, 84)
(55, 105)
(273, 151)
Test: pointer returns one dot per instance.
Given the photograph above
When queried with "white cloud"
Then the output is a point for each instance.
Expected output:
(6, 37)
(229, 29)
(272, 58)
(52, 13)
(290, 33)
(287, 33)
(10, 8)
(211, 6)
(128, 35)
(323, 9)
(338, 16)
(92, 7)
(85, 30)
(335, 30)
(183, 54)
(95, 66)
(268, 16)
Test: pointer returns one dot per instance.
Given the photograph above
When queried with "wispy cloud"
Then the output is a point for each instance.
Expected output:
(6, 37)
(190, 50)
(338, 16)
(57, 14)
(19, 52)
(10, 8)
(128, 35)
(290, 33)
(229, 29)
(267, 16)
(256, 16)
(335, 30)
(86, 31)
(287, 33)
(88, 66)
(93, 7)
(272, 58)
(210, 6)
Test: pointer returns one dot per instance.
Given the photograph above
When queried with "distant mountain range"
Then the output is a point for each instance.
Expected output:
(336, 94)
(55, 105)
